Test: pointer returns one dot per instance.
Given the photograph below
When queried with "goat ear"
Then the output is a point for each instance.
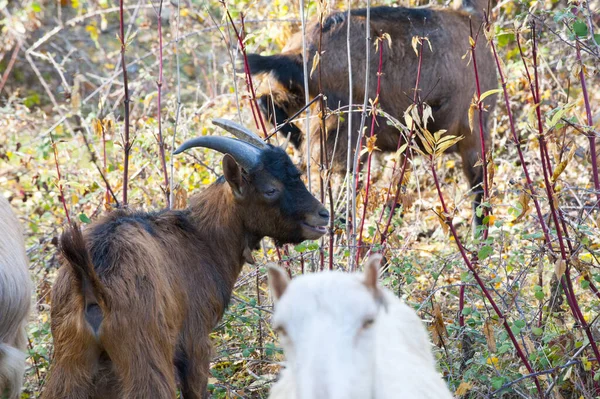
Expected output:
(372, 271)
(233, 174)
(278, 281)
(372, 278)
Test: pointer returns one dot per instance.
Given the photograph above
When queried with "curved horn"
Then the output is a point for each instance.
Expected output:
(285, 144)
(245, 154)
(240, 132)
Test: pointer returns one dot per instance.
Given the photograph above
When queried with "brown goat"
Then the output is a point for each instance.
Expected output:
(447, 83)
(15, 298)
(139, 293)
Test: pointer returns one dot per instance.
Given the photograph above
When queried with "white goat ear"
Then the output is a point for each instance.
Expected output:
(372, 271)
(372, 278)
(278, 281)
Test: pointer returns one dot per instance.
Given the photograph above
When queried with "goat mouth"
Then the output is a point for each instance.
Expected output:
(313, 230)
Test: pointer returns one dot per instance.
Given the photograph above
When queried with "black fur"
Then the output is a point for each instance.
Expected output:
(286, 70)
(276, 115)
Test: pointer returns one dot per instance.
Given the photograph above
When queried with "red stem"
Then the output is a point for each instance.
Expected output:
(258, 119)
(546, 168)
(368, 179)
(384, 232)
(486, 192)
(60, 186)
(463, 252)
(126, 143)
(590, 122)
(159, 83)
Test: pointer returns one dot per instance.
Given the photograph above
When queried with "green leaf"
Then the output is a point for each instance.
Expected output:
(300, 247)
(84, 218)
(597, 40)
(497, 382)
(537, 331)
(484, 252)
(580, 28)
(35, 7)
(519, 323)
(585, 284)
(539, 295)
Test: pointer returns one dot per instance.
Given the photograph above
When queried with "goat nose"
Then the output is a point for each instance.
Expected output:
(324, 213)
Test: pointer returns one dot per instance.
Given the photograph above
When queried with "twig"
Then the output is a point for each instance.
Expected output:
(126, 143)
(177, 111)
(159, 83)
(10, 65)
(306, 94)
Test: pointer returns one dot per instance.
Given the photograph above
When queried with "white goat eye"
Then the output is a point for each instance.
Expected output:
(368, 323)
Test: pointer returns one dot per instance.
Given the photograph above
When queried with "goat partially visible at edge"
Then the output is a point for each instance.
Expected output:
(447, 80)
(346, 337)
(138, 293)
(15, 299)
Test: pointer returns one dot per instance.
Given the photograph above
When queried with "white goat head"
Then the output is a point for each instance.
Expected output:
(345, 337)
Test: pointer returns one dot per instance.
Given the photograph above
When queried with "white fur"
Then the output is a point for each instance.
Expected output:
(331, 355)
(15, 297)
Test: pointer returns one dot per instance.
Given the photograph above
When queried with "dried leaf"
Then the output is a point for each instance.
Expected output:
(97, 127)
(438, 328)
(524, 202)
(180, 198)
(371, 144)
(562, 165)
(488, 331)
(387, 37)
(463, 388)
(315, 63)
(415, 42)
(427, 114)
(472, 109)
(560, 266)
(440, 214)
(471, 41)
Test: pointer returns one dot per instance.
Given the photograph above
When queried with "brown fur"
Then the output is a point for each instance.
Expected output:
(161, 281)
(447, 82)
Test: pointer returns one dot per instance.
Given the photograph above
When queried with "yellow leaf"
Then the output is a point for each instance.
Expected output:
(463, 388)
(491, 220)
(471, 41)
(93, 30)
(587, 365)
(492, 361)
(488, 93)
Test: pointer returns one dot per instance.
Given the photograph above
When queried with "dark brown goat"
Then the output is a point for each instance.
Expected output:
(138, 293)
(447, 83)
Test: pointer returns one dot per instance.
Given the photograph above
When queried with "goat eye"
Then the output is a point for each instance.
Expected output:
(281, 331)
(270, 193)
(368, 323)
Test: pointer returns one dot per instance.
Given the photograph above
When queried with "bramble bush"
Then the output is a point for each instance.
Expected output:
(513, 310)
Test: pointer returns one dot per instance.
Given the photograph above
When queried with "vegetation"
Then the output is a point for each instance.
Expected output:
(513, 311)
